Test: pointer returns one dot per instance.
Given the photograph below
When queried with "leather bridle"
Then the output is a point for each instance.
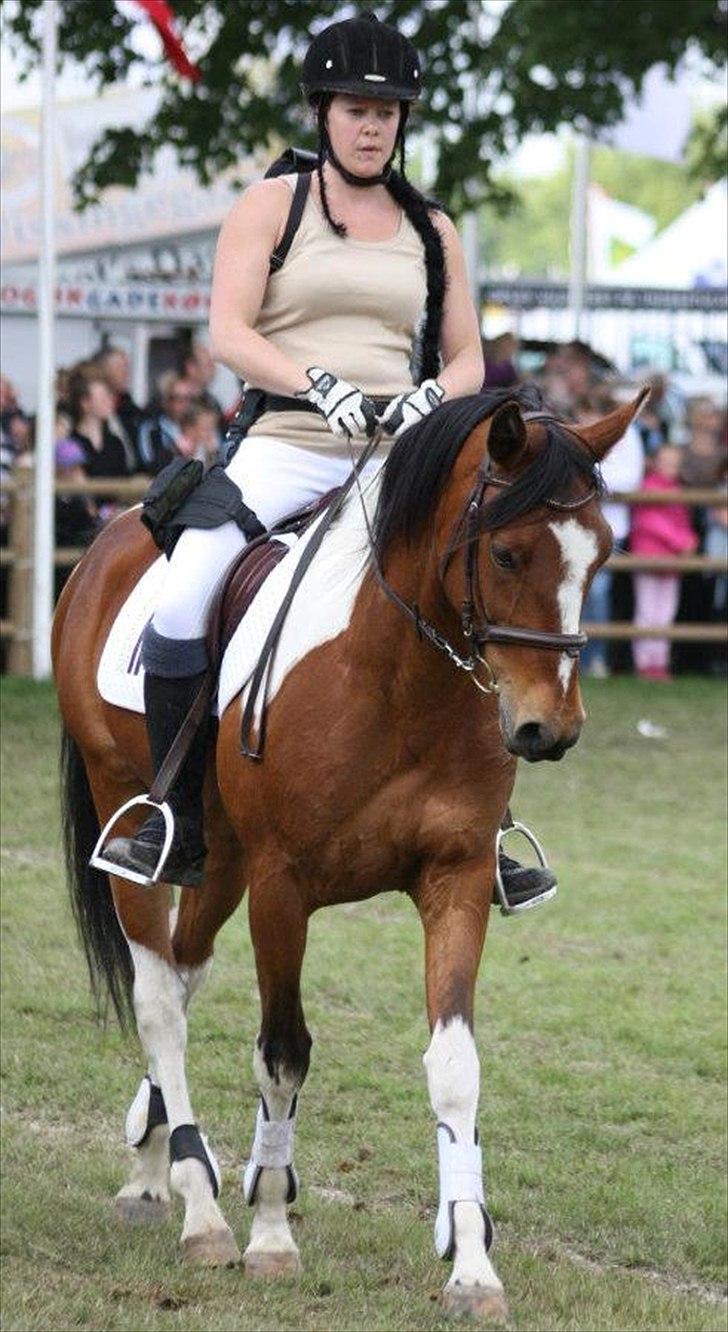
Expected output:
(477, 628)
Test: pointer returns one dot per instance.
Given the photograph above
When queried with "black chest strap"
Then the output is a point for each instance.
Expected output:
(298, 203)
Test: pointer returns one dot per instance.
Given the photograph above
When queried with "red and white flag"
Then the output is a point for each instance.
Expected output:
(162, 16)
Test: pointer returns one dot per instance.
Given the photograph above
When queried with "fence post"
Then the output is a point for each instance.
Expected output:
(20, 581)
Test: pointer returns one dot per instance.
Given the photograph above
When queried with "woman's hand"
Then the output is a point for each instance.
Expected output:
(408, 408)
(347, 410)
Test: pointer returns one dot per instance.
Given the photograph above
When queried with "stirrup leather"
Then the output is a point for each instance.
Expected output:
(513, 909)
(98, 861)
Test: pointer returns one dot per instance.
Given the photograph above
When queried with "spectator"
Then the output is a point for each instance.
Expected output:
(622, 469)
(716, 544)
(659, 530)
(704, 456)
(159, 436)
(199, 437)
(127, 417)
(653, 422)
(578, 367)
(91, 405)
(199, 370)
(77, 517)
(500, 361)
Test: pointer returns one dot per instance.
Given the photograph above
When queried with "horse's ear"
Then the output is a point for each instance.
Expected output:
(600, 436)
(507, 434)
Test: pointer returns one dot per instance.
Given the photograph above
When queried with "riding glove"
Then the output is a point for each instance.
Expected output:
(408, 408)
(347, 410)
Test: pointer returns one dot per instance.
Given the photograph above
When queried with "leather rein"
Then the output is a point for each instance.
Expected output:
(479, 632)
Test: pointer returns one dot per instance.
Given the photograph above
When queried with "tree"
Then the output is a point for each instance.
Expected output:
(492, 75)
(533, 240)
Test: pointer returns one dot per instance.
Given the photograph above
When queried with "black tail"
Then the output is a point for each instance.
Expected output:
(107, 951)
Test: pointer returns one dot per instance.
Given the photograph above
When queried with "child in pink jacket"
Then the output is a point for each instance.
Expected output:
(659, 530)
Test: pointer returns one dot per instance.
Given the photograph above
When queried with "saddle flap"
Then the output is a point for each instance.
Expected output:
(243, 580)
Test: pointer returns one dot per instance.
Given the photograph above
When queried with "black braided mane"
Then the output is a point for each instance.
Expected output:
(416, 471)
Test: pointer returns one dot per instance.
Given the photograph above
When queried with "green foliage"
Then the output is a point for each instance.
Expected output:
(707, 148)
(492, 75)
(600, 1023)
(533, 237)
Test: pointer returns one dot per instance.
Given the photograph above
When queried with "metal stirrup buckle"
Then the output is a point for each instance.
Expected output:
(507, 909)
(97, 860)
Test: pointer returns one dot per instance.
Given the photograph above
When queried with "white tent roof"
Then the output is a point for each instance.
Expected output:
(691, 252)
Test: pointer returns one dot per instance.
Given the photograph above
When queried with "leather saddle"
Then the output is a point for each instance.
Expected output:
(244, 578)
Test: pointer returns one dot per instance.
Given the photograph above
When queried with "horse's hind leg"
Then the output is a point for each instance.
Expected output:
(145, 1199)
(278, 927)
(161, 991)
(163, 984)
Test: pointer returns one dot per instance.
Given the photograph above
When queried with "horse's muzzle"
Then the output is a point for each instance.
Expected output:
(535, 741)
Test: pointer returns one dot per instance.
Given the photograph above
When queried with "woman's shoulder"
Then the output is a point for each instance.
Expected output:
(263, 199)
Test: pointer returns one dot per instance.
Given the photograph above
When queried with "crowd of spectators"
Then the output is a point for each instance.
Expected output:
(673, 444)
(102, 432)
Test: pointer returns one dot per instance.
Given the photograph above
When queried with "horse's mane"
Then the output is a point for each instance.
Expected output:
(416, 471)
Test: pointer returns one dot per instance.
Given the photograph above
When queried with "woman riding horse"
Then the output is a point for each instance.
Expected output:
(368, 323)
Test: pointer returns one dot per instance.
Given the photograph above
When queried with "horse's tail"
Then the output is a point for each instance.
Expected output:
(107, 951)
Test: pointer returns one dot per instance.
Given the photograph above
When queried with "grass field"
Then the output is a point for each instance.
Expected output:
(600, 1024)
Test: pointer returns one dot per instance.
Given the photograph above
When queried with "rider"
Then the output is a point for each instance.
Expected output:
(372, 304)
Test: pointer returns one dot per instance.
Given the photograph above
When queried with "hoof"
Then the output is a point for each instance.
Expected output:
(218, 1249)
(284, 1264)
(141, 1211)
(485, 1303)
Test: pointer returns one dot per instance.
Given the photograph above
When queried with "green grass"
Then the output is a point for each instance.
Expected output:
(600, 1025)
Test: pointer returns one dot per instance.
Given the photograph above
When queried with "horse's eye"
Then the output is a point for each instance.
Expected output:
(503, 557)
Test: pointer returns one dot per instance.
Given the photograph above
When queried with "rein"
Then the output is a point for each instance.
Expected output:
(478, 633)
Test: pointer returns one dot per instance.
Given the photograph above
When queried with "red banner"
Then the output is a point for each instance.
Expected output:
(162, 17)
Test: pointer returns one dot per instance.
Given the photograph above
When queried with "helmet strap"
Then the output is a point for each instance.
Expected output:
(361, 182)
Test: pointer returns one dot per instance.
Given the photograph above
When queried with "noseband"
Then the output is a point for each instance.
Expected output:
(479, 631)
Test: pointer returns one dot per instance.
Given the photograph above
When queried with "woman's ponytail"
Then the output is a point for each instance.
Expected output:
(418, 210)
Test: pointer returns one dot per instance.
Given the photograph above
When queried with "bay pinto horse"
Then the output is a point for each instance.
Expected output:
(383, 769)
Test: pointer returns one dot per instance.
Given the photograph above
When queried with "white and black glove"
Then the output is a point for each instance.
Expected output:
(409, 408)
(348, 411)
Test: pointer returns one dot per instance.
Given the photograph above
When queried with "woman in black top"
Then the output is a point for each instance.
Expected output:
(91, 403)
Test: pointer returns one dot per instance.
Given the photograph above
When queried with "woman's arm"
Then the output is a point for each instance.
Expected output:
(247, 239)
(462, 353)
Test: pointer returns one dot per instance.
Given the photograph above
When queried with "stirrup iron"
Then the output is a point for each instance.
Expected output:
(507, 909)
(97, 860)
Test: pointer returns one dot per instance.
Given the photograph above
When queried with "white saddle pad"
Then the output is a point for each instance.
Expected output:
(321, 609)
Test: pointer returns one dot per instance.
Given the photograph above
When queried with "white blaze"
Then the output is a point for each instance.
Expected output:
(578, 551)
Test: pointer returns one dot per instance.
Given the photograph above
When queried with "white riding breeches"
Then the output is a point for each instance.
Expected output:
(275, 479)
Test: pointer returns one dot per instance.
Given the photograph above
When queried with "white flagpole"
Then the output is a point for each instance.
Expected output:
(45, 443)
(579, 244)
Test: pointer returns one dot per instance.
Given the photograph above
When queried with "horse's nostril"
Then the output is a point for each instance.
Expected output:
(532, 737)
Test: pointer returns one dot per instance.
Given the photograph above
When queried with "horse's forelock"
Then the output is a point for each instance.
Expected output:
(422, 459)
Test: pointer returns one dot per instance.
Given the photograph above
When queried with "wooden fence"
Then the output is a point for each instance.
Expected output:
(17, 557)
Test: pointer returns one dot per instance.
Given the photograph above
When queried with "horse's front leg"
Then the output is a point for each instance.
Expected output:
(278, 923)
(453, 902)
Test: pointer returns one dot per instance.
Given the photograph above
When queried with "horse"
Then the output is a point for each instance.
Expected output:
(384, 768)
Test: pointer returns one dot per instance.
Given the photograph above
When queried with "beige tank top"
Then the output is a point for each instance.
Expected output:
(353, 307)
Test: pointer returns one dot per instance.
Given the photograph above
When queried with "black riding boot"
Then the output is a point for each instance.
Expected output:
(522, 883)
(167, 702)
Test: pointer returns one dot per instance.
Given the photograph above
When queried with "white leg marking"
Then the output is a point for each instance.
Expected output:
(160, 998)
(270, 1232)
(453, 1079)
(578, 551)
(150, 1168)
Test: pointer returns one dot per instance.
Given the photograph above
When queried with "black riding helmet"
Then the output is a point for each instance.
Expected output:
(364, 58)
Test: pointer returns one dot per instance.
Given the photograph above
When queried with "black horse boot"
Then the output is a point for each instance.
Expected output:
(167, 702)
(522, 883)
